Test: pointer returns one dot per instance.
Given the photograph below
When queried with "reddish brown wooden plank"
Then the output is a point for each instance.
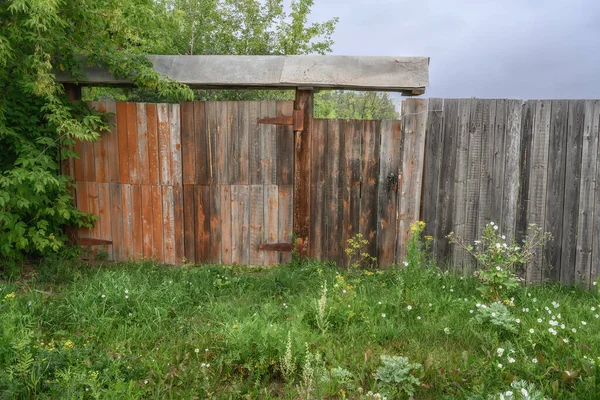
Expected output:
(126, 206)
(147, 218)
(237, 216)
(318, 167)
(234, 144)
(286, 216)
(203, 218)
(217, 123)
(116, 217)
(179, 224)
(164, 144)
(370, 170)
(271, 210)
(188, 146)
(268, 143)
(142, 144)
(226, 224)
(93, 207)
(302, 153)
(284, 136)
(157, 224)
(112, 142)
(82, 197)
(132, 143)
(175, 144)
(333, 193)
(273, 247)
(78, 162)
(250, 125)
(101, 150)
(203, 157)
(137, 230)
(104, 215)
(88, 161)
(169, 224)
(216, 239)
(122, 142)
(242, 136)
(256, 224)
(351, 181)
(189, 223)
(152, 130)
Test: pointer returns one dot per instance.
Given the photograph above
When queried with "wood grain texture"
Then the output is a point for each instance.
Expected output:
(112, 142)
(104, 216)
(251, 128)
(445, 210)
(137, 230)
(240, 217)
(78, 162)
(371, 131)
(318, 166)
(512, 146)
(179, 224)
(286, 214)
(142, 144)
(256, 224)
(189, 223)
(302, 153)
(498, 170)
(333, 193)
(351, 182)
(390, 167)
(595, 264)
(202, 223)
(164, 144)
(201, 139)
(127, 222)
(218, 124)
(486, 169)
(116, 217)
(243, 141)
(572, 185)
(271, 212)
(147, 219)
(527, 121)
(536, 210)
(226, 224)
(157, 224)
(216, 226)
(268, 140)
(101, 150)
(83, 204)
(122, 142)
(175, 144)
(132, 143)
(414, 130)
(93, 207)
(432, 169)
(235, 144)
(188, 143)
(587, 199)
(284, 136)
(153, 152)
(555, 193)
(168, 207)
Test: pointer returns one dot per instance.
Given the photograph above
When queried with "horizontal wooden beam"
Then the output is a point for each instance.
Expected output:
(296, 120)
(400, 74)
(92, 242)
(276, 247)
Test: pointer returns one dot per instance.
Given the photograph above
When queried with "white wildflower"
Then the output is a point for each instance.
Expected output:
(499, 351)
(409, 307)
(531, 330)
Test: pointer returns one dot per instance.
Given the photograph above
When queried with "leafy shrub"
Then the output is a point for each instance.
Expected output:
(496, 314)
(397, 375)
(358, 257)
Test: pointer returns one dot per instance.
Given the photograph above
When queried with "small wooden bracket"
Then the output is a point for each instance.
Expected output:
(296, 120)
(276, 247)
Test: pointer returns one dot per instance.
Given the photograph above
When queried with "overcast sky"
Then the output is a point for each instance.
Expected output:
(526, 49)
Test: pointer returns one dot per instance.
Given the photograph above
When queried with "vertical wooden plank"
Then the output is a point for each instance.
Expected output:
(179, 224)
(122, 142)
(333, 193)
(431, 169)
(271, 213)
(147, 218)
(88, 160)
(459, 222)
(352, 136)
(83, 204)
(268, 141)
(203, 155)
(242, 136)
(302, 153)
(126, 207)
(486, 168)
(498, 164)
(473, 175)
(153, 151)
(157, 225)
(555, 193)
(188, 146)
(369, 188)
(175, 144)
(587, 199)
(284, 136)
(234, 144)
(536, 210)
(78, 162)
(572, 185)
(164, 144)
(390, 168)
(94, 207)
(596, 226)
(528, 113)
(445, 210)
(412, 170)
(256, 257)
(101, 150)
(218, 125)
(142, 144)
(132, 143)
(316, 236)
(237, 217)
(112, 142)
(104, 215)
(250, 125)
(226, 223)
(216, 225)
(286, 215)
(168, 207)
(137, 230)
(189, 222)
(203, 218)
(512, 170)
(116, 217)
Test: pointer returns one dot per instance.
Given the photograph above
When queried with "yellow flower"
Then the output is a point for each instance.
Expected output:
(10, 296)
(429, 238)
(68, 345)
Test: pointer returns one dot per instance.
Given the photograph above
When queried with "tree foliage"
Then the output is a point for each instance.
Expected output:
(355, 105)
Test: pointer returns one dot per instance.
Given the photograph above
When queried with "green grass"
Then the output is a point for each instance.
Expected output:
(140, 330)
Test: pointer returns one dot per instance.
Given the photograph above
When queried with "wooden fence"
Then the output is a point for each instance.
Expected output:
(516, 164)
(205, 182)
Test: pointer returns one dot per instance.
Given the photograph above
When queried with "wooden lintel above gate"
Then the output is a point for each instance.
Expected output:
(296, 120)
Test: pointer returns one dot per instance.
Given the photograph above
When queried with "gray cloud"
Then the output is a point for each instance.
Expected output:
(528, 49)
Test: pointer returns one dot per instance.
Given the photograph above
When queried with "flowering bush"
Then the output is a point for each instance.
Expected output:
(497, 260)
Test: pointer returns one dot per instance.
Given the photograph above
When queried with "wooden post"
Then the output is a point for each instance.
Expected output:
(67, 167)
(302, 152)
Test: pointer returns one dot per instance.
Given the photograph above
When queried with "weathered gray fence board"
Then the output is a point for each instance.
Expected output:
(528, 112)
(498, 165)
(432, 170)
(369, 182)
(486, 167)
(333, 192)
(512, 173)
